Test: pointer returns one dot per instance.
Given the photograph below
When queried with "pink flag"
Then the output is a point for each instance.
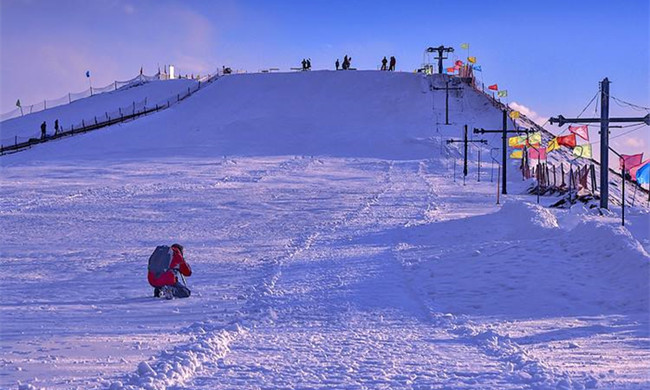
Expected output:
(581, 131)
(630, 160)
(535, 154)
(634, 169)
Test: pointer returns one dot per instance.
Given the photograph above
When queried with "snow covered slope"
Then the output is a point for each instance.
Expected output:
(367, 265)
(354, 114)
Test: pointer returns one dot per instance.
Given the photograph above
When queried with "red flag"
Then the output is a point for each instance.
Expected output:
(459, 63)
(567, 140)
(581, 131)
(630, 160)
(535, 154)
(493, 87)
(451, 70)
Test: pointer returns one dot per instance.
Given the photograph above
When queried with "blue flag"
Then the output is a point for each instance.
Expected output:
(477, 68)
(87, 73)
(643, 174)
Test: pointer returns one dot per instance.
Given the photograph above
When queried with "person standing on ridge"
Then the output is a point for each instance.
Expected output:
(337, 64)
(56, 127)
(346, 63)
(308, 63)
(304, 64)
(393, 61)
(43, 127)
(383, 63)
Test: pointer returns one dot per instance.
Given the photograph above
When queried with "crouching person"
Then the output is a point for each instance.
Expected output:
(167, 271)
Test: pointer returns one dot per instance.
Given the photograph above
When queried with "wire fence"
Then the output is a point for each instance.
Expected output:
(122, 114)
(73, 96)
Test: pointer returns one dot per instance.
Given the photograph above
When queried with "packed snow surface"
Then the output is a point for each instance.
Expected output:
(332, 245)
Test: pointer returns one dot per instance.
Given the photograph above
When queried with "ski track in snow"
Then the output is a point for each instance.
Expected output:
(310, 273)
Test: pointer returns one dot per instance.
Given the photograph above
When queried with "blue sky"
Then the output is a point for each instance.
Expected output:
(549, 55)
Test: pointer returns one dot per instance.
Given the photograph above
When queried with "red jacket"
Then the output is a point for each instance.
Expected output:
(169, 278)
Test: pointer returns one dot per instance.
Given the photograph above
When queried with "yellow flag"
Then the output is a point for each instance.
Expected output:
(471, 59)
(535, 138)
(583, 151)
(464, 46)
(517, 154)
(519, 140)
(514, 114)
(552, 145)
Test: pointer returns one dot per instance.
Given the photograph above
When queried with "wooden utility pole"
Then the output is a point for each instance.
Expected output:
(446, 88)
(465, 141)
(604, 121)
(440, 49)
(504, 147)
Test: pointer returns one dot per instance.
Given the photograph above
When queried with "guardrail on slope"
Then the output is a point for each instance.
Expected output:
(96, 124)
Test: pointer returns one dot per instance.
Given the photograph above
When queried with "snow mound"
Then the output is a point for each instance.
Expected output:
(527, 216)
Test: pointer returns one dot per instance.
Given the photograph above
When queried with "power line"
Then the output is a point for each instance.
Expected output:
(632, 105)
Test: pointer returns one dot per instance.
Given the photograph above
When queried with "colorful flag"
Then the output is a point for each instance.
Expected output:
(537, 154)
(503, 93)
(630, 160)
(18, 103)
(87, 73)
(493, 87)
(451, 70)
(552, 145)
(458, 63)
(567, 140)
(535, 138)
(583, 151)
(514, 114)
(517, 141)
(477, 68)
(581, 131)
(464, 46)
(519, 154)
(471, 60)
(634, 170)
(643, 174)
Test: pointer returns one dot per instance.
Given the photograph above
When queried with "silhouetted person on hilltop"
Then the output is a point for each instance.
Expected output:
(304, 64)
(393, 61)
(308, 64)
(384, 61)
(56, 127)
(337, 63)
(43, 127)
(346, 63)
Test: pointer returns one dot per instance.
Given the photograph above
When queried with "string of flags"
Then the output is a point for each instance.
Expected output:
(635, 166)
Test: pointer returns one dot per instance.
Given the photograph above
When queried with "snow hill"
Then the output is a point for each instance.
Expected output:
(334, 245)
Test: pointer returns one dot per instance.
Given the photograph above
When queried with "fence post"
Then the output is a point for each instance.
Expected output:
(44, 104)
(178, 97)
(83, 123)
(115, 89)
(16, 140)
(69, 98)
(95, 120)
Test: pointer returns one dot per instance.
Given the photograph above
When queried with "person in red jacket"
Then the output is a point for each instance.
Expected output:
(172, 282)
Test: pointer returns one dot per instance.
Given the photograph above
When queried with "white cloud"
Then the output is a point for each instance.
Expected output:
(532, 115)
